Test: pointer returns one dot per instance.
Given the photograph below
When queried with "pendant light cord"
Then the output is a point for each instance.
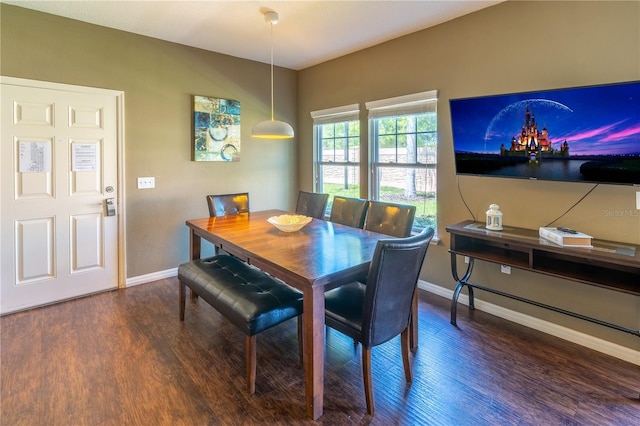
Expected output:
(271, 71)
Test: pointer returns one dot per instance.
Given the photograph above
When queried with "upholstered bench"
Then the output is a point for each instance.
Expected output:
(249, 298)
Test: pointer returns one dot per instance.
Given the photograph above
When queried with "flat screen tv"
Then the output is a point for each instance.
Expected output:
(580, 134)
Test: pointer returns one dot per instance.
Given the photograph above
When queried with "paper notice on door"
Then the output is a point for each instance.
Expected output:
(35, 157)
(84, 157)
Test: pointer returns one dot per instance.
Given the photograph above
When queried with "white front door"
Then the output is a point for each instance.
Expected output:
(58, 170)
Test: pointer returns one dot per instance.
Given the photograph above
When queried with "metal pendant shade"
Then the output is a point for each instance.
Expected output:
(272, 129)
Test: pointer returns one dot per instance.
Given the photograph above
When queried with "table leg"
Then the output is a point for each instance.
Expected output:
(314, 350)
(195, 244)
(461, 283)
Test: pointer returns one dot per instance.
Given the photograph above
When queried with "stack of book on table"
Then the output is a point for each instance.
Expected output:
(566, 237)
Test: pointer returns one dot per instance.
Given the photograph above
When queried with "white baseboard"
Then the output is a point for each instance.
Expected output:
(591, 342)
(155, 276)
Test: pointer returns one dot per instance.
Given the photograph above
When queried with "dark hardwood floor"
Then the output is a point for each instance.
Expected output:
(124, 358)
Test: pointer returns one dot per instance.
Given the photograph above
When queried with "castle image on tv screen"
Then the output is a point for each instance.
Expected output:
(586, 134)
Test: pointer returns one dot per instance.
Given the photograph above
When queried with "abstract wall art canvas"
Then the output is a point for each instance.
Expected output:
(216, 129)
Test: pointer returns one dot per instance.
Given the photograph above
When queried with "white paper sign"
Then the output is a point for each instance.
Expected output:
(84, 157)
(35, 157)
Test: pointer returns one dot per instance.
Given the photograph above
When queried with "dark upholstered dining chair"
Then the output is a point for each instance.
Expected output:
(390, 219)
(377, 312)
(395, 220)
(349, 211)
(226, 204)
(312, 204)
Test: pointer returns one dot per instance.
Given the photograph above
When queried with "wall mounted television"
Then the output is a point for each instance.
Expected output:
(579, 134)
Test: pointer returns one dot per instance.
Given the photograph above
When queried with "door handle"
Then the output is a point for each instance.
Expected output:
(111, 206)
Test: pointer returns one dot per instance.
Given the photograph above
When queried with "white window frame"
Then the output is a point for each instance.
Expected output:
(327, 116)
(416, 103)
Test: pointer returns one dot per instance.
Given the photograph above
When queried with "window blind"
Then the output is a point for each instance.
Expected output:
(404, 105)
(337, 114)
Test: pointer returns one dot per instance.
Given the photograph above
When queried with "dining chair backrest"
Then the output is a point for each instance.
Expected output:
(390, 218)
(228, 204)
(312, 204)
(348, 211)
(391, 283)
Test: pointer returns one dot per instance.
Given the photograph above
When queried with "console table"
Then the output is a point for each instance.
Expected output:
(608, 264)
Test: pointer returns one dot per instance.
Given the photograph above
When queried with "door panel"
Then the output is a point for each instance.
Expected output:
(31, 185)
(58, 154)
(33, 114)
(86, 242)
(86, 173)
(35, 250)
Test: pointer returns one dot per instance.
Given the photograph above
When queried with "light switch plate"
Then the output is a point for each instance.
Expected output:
(638, 200)
(505, 269)
(146, 182)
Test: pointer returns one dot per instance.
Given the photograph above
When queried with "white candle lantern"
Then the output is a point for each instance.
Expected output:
(494, 218)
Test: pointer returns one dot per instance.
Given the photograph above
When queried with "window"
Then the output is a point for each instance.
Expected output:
(337, 151)
(403, 149)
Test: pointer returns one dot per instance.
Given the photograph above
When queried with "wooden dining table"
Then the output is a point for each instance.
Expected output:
(321, 256)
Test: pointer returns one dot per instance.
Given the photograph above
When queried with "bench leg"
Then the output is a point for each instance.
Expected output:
(250, 355)
(182, 293)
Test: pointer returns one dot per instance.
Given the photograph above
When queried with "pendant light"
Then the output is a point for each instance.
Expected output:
(272, 129)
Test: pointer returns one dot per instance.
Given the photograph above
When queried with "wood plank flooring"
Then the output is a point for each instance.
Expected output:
(124, 358)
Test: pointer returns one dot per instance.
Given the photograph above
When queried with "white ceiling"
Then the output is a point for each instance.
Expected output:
(309, 32)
